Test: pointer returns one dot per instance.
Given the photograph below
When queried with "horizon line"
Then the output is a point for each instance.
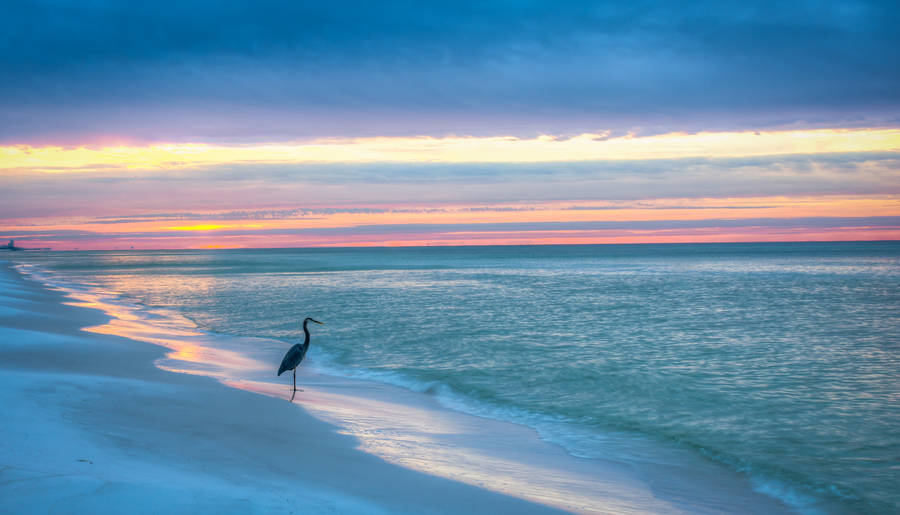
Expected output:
(347, 247)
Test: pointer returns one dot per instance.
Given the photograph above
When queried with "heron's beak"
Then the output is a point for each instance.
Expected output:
(320, 323)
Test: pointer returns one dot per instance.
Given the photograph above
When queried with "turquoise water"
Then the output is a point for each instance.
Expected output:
(780, 361)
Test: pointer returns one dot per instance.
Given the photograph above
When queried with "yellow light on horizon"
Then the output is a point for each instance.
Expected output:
(210, 227)
(198, 227)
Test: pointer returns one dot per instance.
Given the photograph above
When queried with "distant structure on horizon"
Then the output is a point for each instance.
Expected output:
(12, 246)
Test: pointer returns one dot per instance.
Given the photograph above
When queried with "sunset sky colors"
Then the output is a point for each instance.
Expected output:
(277, 124)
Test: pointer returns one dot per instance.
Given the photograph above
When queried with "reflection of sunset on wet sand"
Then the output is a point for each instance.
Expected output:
(189, 354)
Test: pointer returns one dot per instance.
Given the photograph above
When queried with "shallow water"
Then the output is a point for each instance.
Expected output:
(779, 361)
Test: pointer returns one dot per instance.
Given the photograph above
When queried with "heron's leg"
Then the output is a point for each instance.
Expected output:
(294, 392)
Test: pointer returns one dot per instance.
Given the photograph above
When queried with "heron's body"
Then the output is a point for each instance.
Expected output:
(295, 355)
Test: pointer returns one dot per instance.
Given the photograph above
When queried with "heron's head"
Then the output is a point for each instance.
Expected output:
(313, 320)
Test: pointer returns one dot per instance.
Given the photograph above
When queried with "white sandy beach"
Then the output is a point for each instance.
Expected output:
(91, 425)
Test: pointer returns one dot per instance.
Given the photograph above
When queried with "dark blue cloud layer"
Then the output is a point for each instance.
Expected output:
(197, 69)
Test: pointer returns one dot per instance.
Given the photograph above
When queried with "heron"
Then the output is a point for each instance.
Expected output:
(295, 355)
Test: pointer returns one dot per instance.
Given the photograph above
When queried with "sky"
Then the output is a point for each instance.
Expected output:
(199, 124)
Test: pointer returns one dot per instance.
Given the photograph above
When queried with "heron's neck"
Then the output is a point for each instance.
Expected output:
(306, 330)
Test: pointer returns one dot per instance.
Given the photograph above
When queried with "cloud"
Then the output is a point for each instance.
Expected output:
(200, 70)
(646, 225)
(313, 189)
(435, 229)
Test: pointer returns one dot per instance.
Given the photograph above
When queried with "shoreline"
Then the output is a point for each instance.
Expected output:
(485, 456)
(93, 425)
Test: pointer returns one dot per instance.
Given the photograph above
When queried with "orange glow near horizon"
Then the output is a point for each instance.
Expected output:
(584, 147)
(296, 209)
(462, 225)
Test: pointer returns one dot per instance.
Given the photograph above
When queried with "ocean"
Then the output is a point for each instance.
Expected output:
(778, 361)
